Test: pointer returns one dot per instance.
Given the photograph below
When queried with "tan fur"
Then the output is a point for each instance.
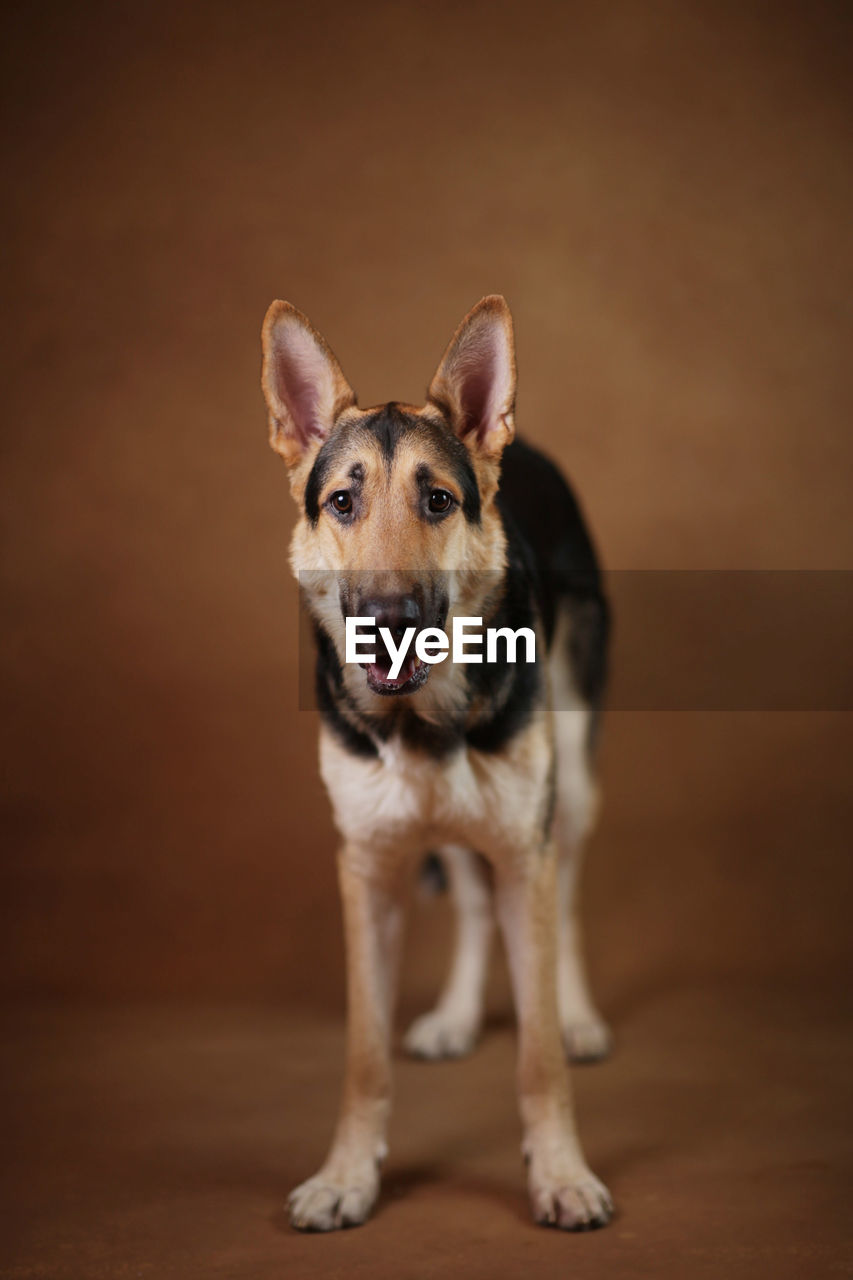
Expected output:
(390, 810)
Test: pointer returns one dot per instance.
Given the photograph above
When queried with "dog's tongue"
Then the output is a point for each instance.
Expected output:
(379, 674)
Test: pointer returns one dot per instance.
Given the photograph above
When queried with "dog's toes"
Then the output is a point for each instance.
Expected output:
(314, 1206)
(571, 1201)
(323, 1204)
(587, 1040)
(441, 1035)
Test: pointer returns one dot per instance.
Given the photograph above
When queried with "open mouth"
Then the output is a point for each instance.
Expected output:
(411, 676)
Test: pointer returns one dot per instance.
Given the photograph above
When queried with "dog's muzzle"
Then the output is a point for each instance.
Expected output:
(397, 614)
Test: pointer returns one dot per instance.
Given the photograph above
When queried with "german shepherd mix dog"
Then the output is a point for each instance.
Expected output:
(402, 520)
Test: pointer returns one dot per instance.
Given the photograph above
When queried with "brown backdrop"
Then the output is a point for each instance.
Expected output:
(661, 191)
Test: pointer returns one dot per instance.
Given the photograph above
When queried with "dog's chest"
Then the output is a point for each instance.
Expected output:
(408, 801)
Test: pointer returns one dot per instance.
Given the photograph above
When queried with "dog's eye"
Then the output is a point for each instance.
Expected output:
(440, 500)
(342, 502)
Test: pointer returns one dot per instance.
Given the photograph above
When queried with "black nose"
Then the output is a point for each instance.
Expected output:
(397, 613)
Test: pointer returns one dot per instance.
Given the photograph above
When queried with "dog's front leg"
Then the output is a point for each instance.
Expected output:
(563, 1191)
(345, 1189)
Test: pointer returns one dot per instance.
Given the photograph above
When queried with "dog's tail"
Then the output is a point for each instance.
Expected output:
(432, 876)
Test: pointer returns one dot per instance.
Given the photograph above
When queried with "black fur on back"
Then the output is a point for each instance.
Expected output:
(541, 512)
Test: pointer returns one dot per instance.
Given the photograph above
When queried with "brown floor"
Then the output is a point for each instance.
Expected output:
(160, 1142)
(153, 1137)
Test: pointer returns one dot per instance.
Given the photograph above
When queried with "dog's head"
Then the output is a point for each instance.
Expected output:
(397, 503)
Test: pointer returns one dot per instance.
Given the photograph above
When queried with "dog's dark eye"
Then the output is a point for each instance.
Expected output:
(440, 500)
(342, 502)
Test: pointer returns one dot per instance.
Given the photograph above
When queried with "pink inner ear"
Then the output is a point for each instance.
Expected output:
(304, 384)
(475, 401)
(484, 388)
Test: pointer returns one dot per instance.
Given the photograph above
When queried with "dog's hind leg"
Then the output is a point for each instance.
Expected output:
(586, 1036)
(452, 1028)
(345, 1189)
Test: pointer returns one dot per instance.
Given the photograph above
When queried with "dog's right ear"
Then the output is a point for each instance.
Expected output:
(302, 381)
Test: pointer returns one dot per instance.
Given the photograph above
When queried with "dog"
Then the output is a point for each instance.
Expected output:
(412, 516)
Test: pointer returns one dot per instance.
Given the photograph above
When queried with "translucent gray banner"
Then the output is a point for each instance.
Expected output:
(702, 640)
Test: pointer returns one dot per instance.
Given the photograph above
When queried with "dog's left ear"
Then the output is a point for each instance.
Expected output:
(303, 384)
(475, 382)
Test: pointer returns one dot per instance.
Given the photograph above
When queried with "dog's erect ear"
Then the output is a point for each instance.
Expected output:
(303, 384)
(475, 382)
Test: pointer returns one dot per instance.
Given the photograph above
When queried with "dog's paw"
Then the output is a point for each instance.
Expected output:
(442, 1034)
(587, 1039)
(327, 1203)
(569, 1197)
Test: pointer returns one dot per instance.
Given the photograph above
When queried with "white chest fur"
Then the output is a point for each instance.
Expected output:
(407, 802)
